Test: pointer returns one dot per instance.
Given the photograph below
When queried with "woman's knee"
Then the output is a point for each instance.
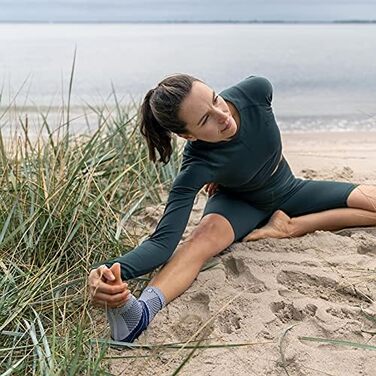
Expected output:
(212, 235)
(214, 228)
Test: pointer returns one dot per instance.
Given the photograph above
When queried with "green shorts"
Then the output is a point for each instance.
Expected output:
(249, 210)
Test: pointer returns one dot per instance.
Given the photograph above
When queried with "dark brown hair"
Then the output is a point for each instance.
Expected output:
(159, 114)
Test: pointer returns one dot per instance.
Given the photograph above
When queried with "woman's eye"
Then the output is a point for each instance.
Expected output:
(215, 101)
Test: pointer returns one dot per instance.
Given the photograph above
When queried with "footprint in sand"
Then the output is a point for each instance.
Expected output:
(320, 287)
(287, 311)
(197, 314)
(239, 274)
(229, 321)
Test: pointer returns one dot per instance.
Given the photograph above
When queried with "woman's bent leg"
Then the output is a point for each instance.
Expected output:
(360, 210)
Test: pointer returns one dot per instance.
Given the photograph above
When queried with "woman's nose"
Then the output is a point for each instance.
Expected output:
(222, 116)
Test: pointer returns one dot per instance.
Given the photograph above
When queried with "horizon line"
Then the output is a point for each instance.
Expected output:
(189, 22)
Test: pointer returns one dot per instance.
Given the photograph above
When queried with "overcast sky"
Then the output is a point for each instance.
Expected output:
(186, 10)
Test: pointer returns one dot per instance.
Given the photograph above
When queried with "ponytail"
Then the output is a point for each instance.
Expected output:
(159, 114)
(156, 136)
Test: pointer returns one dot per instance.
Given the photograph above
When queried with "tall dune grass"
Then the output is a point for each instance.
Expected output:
(65, 200)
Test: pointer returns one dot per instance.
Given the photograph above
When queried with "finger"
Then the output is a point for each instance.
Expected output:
(117, 305)
(109, 305)
(116, 271)
(105, 288)
(110, 299)
(105, 273)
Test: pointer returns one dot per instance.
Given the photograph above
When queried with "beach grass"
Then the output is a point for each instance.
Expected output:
(66, 200)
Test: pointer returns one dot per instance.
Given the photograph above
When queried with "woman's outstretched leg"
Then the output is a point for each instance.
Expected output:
(211, 236)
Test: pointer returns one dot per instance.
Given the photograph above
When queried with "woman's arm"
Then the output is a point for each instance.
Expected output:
(159, 247)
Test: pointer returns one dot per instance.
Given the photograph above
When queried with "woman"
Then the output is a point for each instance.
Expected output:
(234, 149)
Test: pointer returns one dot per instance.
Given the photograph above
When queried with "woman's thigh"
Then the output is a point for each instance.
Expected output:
(242, 216)
(316, 196)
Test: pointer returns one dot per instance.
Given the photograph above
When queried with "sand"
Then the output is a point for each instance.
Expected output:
(270, 293)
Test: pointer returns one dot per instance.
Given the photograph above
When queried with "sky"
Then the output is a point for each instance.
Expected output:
(185, 10)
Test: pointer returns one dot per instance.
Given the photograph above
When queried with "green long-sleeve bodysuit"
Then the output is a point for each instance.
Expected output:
(254, 181)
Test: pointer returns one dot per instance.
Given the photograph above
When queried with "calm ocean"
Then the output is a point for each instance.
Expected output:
(324, 75)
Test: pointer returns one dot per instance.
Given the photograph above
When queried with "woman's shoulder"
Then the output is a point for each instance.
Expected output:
(192, 160)
(252, 90)
(193, 170)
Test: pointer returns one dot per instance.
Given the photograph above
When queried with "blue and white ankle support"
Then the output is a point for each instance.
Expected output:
(154, 300)
(130, 320)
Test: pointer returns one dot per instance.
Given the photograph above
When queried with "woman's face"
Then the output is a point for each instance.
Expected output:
(207, 115)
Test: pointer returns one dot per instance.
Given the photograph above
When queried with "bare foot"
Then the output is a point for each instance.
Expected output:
(279, 226)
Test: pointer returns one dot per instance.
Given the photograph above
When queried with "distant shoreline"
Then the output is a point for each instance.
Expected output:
(191, 22)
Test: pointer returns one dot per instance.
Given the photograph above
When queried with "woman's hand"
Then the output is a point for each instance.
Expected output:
(211, 188)
(106, 287)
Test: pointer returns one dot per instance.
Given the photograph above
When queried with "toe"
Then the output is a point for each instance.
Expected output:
(254, 235)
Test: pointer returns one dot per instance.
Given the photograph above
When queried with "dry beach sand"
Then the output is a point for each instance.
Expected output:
(319, 285)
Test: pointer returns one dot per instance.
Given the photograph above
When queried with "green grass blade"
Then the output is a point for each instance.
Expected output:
(339, 342)
(7, 222)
